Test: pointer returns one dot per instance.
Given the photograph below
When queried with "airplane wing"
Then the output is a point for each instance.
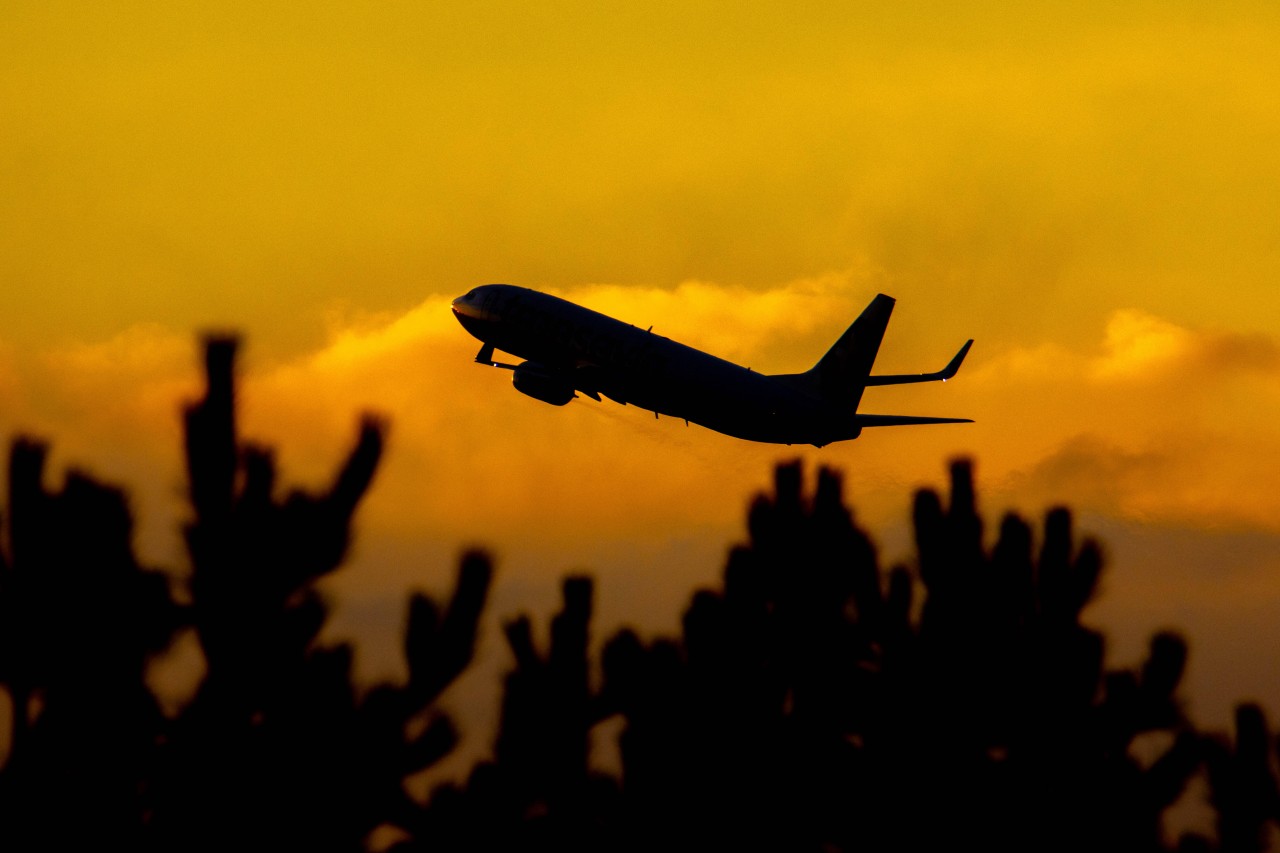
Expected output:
(942, 375)
(903, 420)
(485, 356)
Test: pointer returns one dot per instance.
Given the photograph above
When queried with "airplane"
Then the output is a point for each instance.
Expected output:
(569, 349)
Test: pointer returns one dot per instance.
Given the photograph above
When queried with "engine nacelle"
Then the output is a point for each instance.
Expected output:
(540, 383)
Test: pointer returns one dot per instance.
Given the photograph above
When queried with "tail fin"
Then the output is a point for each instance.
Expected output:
(841, 374)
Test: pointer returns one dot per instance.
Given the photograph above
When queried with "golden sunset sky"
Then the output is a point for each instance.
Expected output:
(1089, 190)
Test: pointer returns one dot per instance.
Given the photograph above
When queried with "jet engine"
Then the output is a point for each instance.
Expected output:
(538, 382)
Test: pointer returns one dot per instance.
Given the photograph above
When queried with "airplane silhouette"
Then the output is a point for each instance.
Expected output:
(569, 349)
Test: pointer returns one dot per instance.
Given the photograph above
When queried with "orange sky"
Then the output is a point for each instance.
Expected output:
(1091, 193)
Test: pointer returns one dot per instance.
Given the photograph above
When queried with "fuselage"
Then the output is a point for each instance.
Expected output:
(597, 354)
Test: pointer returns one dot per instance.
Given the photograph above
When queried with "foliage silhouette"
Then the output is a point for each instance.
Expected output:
(275, 750)
(79, 618)
(814, 701)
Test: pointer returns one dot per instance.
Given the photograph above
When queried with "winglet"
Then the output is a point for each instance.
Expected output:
(941, 376)
(954, 365)
(485, 357)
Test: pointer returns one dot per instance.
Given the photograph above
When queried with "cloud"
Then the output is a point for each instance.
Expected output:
(466, 449)
(1136, 344)
(1139, 346)
(1045, 362)
(1253, 353)
(766, 326)
(1103, 477)
(1150, 420)
(650, 506)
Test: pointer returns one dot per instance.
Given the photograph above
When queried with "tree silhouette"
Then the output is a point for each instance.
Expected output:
(814, 700)
(805, 706)
(79, 619)
(276, 749)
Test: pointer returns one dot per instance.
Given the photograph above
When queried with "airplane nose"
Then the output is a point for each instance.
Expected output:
(467, 307)
(476, 304)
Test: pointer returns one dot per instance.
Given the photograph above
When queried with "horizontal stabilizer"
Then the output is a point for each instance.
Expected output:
(942, 375)
(904, 420)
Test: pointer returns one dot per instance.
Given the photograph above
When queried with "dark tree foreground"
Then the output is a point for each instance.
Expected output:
(813, 702)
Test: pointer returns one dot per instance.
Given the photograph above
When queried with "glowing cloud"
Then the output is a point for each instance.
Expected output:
(1137, 345)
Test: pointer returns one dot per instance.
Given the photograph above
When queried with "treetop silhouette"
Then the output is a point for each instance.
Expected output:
(814, 700)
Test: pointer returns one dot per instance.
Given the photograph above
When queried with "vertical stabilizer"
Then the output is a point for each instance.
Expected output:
(841, 374)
